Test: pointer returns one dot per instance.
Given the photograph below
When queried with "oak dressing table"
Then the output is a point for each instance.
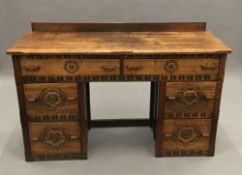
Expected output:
(55, 62)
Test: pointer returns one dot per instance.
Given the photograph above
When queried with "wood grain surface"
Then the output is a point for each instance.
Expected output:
(62, 67)
(118, 42)
(190, 100)
(187, 135)
(171, 67)
(47, 99)
(119, 27)
(47, 138)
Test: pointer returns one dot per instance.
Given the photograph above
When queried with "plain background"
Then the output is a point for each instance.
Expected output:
(124, 150)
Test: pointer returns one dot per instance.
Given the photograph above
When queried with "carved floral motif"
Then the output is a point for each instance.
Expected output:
(189, 96)
(71, 66)
(54, 137)
(171, 66)
(52, 98)
(186, 135)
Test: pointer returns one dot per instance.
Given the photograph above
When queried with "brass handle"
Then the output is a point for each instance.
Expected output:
(31, 99)
(170, 135)
(32, 68)
(134, 67)
(171, 97)
(108, 68)
(73, 99)
(36, 139)
(74, 137)
(209, 67)
(205, 97)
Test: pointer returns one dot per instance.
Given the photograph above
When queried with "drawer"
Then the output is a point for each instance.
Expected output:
(47, 101)
(50, 140)
(188, 137)
(173, 67)
(68, 67)
(190, 99)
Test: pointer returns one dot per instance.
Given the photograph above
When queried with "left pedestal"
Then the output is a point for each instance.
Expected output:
(53, 119)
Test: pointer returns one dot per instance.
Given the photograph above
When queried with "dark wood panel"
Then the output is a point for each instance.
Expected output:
(190, 99)
(51, 101)
(172, 67)
(69, 67)
(184, 137)
(118, 27)
(22, 108)
(54, 138)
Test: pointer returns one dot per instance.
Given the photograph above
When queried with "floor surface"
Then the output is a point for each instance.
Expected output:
(124, 150)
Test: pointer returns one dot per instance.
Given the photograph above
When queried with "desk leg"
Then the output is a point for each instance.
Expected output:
(88, 105)
(153, 105)
(83, 123)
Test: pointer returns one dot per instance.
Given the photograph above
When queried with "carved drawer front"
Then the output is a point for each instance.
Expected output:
(186, 137)
(69, 67)
(51, 101)
(54, 140)
(190, 99)
(180, 69)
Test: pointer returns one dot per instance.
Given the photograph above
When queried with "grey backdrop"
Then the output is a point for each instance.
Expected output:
(123, 150)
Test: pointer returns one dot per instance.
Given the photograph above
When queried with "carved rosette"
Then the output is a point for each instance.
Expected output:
(52, 98)
(54, 138)
(71, 66)
(189, 96)
(171, 66)
(186, 135)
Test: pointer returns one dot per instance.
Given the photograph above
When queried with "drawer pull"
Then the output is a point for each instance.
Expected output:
(34, 139)
(108, 68)
(171, 97)
(209, 67)
(170, 135)
(134, 67)
(204, 97)
(31, 100)
(74, 137)
(32, 68)
(71, 98)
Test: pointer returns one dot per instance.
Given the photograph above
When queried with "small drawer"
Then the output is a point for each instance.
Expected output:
(195, 69)
(48, 101)
(140, 67)
(190, 99)
(55, 140)
(68, 67)
(186, 137)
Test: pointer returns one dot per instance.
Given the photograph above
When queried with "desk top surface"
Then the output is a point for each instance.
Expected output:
(118, 42)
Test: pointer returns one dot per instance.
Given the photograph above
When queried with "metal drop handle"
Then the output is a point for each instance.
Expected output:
(134, 67)
(209, 67)
(108, 67)
(32, 68)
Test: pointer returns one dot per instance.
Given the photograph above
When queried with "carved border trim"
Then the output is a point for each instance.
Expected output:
(65, 156)
(189, 115)
(202, 77)
(185, 152)
(126, 56)
(44, 118)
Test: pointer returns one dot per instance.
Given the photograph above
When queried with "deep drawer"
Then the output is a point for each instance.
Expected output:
(175, 67)
(186, 137)
(51, 101)
(190, 99)
(69, 67)
(55, 140)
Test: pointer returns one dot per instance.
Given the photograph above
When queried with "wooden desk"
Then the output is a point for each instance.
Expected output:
(56, 61)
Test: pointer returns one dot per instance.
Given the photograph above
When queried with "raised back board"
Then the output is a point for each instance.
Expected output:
(119, 27)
